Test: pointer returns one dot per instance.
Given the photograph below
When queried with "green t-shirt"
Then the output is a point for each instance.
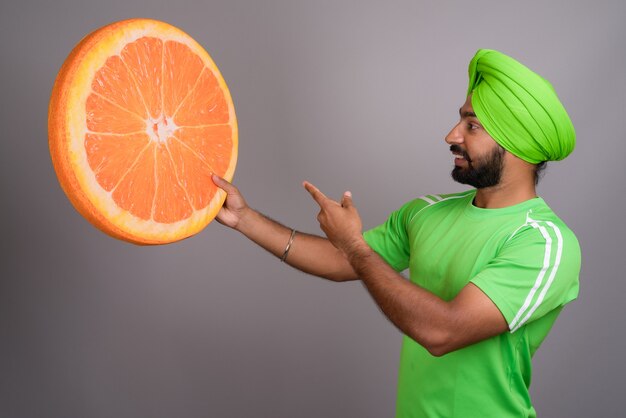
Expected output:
(523, 257)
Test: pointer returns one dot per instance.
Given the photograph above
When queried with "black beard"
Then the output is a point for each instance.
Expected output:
(482, 173)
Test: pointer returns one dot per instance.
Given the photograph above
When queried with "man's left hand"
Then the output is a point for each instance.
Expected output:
(340, 221)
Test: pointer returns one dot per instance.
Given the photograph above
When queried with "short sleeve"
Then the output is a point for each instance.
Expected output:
(535, 272)
(391, 239)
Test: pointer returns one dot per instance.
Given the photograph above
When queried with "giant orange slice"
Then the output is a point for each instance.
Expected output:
(139, 119)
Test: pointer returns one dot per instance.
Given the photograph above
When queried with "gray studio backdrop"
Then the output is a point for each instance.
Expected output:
(351, 95)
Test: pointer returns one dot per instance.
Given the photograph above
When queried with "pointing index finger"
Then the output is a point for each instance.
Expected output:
(317, 195)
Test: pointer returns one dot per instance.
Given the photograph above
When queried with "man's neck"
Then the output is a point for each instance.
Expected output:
(506, 193)
(516, 185)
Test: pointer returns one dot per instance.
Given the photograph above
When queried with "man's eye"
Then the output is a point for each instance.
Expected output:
(472, 126)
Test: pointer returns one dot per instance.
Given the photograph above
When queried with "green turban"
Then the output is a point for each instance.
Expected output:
(519, 108)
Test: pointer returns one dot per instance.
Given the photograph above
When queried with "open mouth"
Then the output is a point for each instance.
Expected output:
(460, 156)
(459, 159)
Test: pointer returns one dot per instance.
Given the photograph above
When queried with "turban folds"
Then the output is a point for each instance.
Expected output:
(519, 109)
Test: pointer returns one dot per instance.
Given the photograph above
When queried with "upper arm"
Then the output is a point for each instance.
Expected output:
(534, 274)
(474, 317)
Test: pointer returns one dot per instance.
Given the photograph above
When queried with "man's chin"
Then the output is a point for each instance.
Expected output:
(459, 174)
(465, 176)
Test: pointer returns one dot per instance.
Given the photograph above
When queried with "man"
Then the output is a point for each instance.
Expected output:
(490, 268)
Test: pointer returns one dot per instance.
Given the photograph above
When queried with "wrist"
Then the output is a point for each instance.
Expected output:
(246, 221)
(358, 248)
(360, 258)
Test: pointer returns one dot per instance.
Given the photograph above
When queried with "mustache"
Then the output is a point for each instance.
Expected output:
(458, 150)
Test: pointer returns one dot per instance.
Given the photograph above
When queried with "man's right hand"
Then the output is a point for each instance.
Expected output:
(234, 208)
(309, 253)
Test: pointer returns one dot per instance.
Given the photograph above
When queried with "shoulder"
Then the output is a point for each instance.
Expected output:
(434, 199)
(429, 201)
(543, 227)
(543, 217)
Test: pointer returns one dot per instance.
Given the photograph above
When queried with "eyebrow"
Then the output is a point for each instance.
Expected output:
(466, 114)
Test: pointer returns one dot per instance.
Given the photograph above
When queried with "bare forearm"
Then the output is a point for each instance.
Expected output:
(421, 315)
(309, 253)
(438, 325)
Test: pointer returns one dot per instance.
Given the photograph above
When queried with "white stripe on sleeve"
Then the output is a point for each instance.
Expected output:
(546, 264)
(555, 267)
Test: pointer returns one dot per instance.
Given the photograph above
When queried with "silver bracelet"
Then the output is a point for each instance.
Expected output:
(288, 247)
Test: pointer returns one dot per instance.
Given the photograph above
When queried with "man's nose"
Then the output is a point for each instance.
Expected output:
(455, 136)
